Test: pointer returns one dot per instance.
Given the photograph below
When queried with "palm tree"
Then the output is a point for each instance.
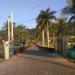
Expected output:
(43, 21)
(70, 9)
(62, 32)
(62, 27)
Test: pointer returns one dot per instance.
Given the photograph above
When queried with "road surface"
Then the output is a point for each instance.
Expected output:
(27, 64)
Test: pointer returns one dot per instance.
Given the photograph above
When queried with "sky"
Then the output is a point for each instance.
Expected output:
(25, 11)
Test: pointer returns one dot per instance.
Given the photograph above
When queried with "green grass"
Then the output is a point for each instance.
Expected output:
(1, 55)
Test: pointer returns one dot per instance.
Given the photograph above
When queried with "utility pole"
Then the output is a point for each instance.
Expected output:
(8, 22)
(12, 27)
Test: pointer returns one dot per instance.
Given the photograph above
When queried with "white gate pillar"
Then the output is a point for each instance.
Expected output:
(6, 49)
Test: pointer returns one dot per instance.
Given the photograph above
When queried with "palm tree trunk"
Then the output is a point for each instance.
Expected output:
(43, 39)
(47, 35)
(54, 39)
(47, 38)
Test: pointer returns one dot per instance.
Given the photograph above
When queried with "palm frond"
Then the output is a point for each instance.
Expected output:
(72, 18)
(66, 10)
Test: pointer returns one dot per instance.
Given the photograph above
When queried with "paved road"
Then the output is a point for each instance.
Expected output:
(22, 65)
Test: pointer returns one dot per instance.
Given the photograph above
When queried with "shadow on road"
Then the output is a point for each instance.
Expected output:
(39, 51)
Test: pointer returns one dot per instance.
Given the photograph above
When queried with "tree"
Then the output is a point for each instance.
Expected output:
(32, 35)
(62, 32)
(20, 34)
(62, 27)
(70, 9)
(43, 21)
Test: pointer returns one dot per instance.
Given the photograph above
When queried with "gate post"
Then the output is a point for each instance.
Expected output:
(6, 49)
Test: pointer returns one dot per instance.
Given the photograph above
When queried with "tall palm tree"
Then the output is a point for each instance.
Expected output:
(43, 21)
(62, 27)
(62, 32)
(70, 9)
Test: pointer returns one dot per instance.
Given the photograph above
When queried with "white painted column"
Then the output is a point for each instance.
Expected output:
(6, 49)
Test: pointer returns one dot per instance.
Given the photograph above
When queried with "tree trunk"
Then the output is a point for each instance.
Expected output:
(43, 39)
(54, 39)
(47, 38)
(47, 35)
(65, 48)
